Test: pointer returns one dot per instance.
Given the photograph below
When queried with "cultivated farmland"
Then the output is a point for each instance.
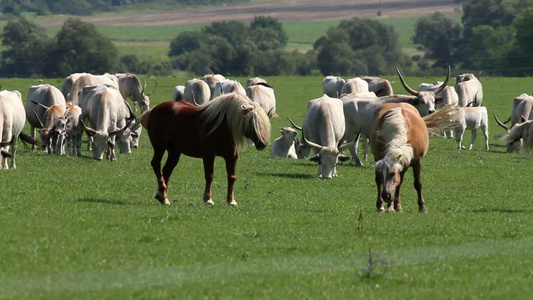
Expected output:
(77, 228)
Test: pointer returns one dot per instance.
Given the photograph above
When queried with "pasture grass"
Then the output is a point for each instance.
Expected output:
(78, 228)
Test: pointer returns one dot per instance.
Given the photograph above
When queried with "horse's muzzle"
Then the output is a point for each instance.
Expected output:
(260, 146)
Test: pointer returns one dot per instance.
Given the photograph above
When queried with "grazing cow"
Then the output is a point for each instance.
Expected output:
(399, 139)
(332, 86)
(472, 118)
(12, 120)
(196, 92)
(263, 94)
(211, 80)
(359, 112)
(130, 87)
(469, 90)
(284, 146)
(322, 130)
(218, 128)
(73, 129)
(178, 93)
(521, 133)
(88, 80)
(66, 86)
(228, 86)
(354, 85)
(53, 129)
(522, 111)
(40, 98)
(109, 117)
(381, 87)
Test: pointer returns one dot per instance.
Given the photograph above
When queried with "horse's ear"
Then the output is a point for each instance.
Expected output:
(246, 107)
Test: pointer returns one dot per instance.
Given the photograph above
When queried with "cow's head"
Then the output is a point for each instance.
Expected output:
(102, 140)
(58, 136)
(513, 141)
(327, 158)
(425, 100)
(145, 101)
(288, 132)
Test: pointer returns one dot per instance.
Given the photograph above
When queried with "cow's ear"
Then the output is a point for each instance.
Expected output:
(343, 157)
(315, 158)
(439, 100)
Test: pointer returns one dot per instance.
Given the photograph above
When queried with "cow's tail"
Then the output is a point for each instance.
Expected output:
(144, 118)
(443, 119)
(28, 139)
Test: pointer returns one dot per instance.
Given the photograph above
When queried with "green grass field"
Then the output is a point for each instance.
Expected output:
(75, 228)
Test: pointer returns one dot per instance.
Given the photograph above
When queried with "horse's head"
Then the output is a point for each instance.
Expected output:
(389, 170)
(257, 125)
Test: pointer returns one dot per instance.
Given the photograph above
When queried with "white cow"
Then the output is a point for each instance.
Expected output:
(522, 112)
(87, 80)
(109, 117)
(284, 146)
(66, 86)
(332, 85)
(323, 129)
(178, 93)
(255, 81)
(263, 94)
(196, 92)
(211, 80)
(53, 130)
(472, 118)
(469, 90)
(228, 86)
(521, 133)
(382, 87)
(40, 98)
(354, 85)
(130, 87)
(12, 120)
(447, 97)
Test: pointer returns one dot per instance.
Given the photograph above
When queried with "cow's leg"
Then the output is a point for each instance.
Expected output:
(77, 143)
(209, 165)
(14, 152)
(417, 168)
(354, 149)
(230, 170)
(173, 158)
(379, 185)
(365, 145)
(486, 134)
(459, 137)
(161, 194)
(397, 201)
(32, 133)
(474, 136)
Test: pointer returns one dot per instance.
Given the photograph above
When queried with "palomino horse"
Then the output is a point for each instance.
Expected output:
(219, 128)
(399, 138)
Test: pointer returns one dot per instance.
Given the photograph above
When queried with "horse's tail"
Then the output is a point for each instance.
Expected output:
(28, 139)
(443, 119)
(144, 118)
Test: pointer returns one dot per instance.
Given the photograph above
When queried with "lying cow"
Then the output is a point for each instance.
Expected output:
(284, 146)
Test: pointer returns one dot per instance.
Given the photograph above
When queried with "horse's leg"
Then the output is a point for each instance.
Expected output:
(173, 158)
(161, 194)
(397, 201)
(230, 170)
(209, 164)
(379, 184)
(417, 168)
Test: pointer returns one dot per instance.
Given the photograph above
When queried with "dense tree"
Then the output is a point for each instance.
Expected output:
(439, 35)
(488, 48)
(359, 46)
(272, 27)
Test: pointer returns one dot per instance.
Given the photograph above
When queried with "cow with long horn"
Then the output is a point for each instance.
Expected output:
(130, 87)
(522, 112)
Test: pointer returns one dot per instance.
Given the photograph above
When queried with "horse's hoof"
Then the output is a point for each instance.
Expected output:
(210, 202)
(161, 198)
(233, 203)
(381, 209)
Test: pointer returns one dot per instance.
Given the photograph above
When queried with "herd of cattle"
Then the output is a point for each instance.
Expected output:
(96, 104)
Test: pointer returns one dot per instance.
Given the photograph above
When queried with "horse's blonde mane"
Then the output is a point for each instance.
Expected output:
(524, 131)
(243, 117)
(393, 132)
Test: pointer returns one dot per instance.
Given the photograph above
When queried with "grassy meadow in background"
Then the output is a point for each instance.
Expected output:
(73, 227)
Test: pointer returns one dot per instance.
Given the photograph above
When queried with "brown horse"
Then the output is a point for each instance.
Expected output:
(219, 128)
(399, 138)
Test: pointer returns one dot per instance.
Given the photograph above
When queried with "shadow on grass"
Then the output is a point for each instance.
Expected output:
(501, 211)
(105, 201)
(288, 175)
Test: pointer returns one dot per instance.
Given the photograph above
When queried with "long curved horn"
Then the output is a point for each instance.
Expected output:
(294, 125)
(314, 145)
(153, 91)
(500, 123)
(115, 132)
(89, 130)
(194, 101)
(407, 88)
(345, 146)
(38, 119)
(440, 88)
(40, 104)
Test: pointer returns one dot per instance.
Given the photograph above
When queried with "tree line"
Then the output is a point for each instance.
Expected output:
(497, 43)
